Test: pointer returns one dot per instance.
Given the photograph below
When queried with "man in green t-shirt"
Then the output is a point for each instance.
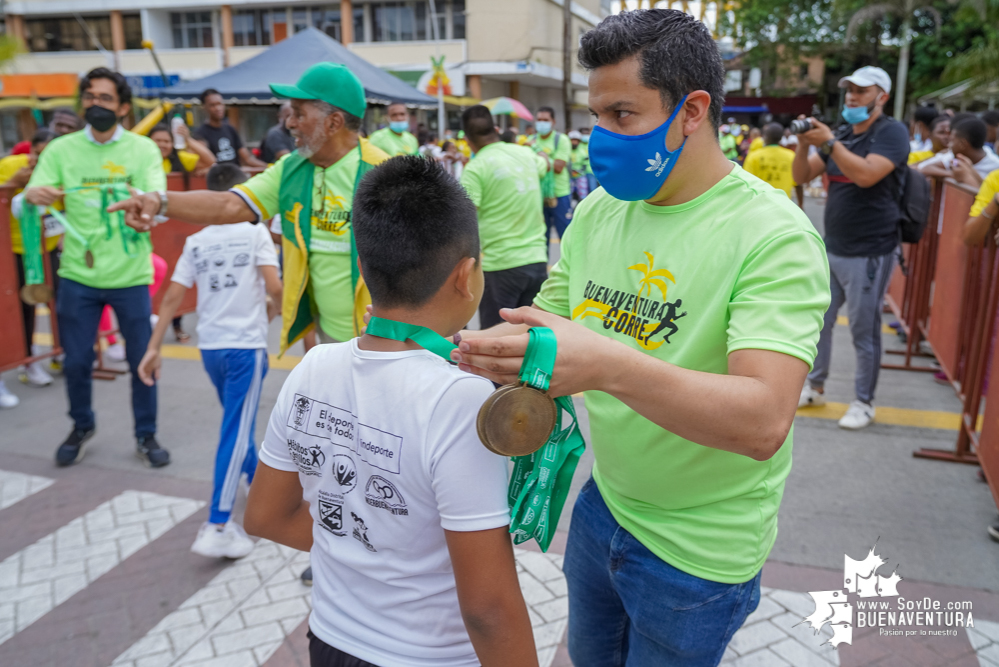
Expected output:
(503, 183)
(729, 146)
(580, 162)
(396, 138)
(103, 262)
(558, 205)
(687, 305)
(591, 180)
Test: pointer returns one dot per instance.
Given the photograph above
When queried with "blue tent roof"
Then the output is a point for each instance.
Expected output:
(286, 61)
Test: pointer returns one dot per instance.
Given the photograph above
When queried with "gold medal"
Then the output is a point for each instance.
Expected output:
(89, 259)
(516, 420)
(36, 294)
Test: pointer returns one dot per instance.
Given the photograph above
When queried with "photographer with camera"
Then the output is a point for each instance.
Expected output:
(865, 161)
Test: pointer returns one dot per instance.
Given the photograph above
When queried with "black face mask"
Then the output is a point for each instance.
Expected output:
(100, 119)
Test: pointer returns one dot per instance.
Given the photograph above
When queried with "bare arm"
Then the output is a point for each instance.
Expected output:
(272, 284)
(205, 207)
(976, 228)
(248, 159)
(806, 167)
(205, 157)
(492, 605)
(277, 510)
(149, 367)
(559, 166)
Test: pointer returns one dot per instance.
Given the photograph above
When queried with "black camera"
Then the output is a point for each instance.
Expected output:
(801, 125)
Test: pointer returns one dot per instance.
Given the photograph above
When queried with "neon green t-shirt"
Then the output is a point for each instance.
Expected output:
(329, 246)
(75, 160)
(729, 146)
(562, 152)
(395, 144)
(739, 267)
(502, 182)
(580, 159)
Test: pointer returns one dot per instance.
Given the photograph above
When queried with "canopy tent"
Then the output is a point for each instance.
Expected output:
(285, 62)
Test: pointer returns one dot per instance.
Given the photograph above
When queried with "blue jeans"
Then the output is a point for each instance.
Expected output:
(79, 308)
(558, 217)
(237, 376)
(629, 608)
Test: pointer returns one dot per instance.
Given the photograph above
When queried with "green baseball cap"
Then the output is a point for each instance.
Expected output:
(329, 82)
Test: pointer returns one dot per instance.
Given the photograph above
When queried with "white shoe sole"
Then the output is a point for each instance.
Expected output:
(857, 427)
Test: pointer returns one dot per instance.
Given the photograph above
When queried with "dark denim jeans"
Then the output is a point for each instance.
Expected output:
(629, 608)
(79, 308)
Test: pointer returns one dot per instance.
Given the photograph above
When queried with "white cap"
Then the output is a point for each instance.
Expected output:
(868, 76)
(723, 129)
(575, 135)
(731, 119)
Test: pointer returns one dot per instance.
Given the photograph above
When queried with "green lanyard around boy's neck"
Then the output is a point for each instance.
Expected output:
(426, 338)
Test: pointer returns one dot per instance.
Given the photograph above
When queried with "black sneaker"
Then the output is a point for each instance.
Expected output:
(150, 452)
(72, 449)
(307, 576)
(993, 533)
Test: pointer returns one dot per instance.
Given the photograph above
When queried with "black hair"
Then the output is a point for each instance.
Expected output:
(175, 163)
(772, 133)
(959, 116)
(446, 145)
(208, 91)
(925, 115)
(942, 118)
(224, 175)
(396, 103)
(478, 124)
(42, 135)
(548, 109)
(991, 118)
(676, 54)
(973, 130)
(508, 137)
(412, 223)
(120, 83)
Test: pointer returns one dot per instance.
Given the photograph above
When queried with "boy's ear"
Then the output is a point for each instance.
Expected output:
(463, 274)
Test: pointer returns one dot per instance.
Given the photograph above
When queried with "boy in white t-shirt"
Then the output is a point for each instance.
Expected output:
(372, 461)
(235, 269)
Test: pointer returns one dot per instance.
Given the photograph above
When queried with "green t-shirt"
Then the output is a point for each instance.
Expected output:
(739, 267)
(581, 159)
(395, 144)
(75, 160)
(502, 181)
(563, 152)
(329, 246)
(729, 146)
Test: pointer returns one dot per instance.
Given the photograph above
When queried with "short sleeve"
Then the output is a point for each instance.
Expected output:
(469, 481)
(564, 150)
(265, 254)
(892, 142)
(261, 192)
(554, 294)
(274, 448)
(276, 225)
(188, 160)
(237, 141)
(183, 272)
(780, 297)
(988, 190)
(47, 171)
(151, 177)
(473, 186)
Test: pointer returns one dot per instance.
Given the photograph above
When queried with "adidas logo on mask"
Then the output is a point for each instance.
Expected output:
(657, 165)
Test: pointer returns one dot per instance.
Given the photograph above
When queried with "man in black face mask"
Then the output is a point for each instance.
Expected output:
(103, 261)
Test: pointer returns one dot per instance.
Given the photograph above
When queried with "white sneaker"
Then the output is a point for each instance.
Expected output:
(857, 416)
(154, 319)
(7, 399)
(35, 374)
(229, 541)
(115, 352)
(810, 397)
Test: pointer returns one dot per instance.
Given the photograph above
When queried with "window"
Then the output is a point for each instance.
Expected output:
(192, 30)
(245, 28)
(458, 19)
(133, 31)
(68, 34)
(406, 21)
(300, 19)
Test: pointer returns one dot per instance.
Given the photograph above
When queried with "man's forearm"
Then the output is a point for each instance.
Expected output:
(800, 169)
(855, 167)
(168, 307)
(208, 207)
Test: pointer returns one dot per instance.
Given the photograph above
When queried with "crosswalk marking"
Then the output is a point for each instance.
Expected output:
(16, 486)
(47, 573)
(984, 638)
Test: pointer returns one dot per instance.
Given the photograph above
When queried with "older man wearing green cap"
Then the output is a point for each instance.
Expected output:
(321, 283)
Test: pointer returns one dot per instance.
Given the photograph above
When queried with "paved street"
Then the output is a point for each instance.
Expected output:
(95, 567)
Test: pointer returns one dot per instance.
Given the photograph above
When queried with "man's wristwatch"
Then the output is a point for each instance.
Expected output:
(163, 202)
(827, 147)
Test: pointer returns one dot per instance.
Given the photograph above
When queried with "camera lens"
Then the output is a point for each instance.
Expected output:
(801, 125)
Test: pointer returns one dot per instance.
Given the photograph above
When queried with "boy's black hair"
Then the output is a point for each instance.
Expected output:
(942, 118)
(119, 81)
(209, 91)
(991, 118)
(224, 175)
(412, 223)
(925, 114)
(42, 135)
(508, 137)
(548, 109)
(676, 54)
(772, 133)
(972, 130)
(478, 124)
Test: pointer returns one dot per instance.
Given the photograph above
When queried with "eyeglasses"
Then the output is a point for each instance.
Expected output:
(105, 98)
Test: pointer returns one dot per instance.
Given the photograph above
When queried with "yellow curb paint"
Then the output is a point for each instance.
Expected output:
(843, 321)
(186, 353)
(42, 338)
(893, 416)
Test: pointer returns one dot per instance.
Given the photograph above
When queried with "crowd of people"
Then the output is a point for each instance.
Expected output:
(694, 335)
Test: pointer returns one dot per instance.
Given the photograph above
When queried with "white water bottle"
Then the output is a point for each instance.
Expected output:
(178, 141)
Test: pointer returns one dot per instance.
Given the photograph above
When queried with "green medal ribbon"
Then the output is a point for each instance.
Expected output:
(540, 481)
(31, 237)
(422, 336)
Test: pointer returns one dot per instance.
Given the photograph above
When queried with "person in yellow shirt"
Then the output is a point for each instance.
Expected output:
(983, 212)
(939, 140)
(755, 140)
(15, 170)
(772, 162)
(195, 157)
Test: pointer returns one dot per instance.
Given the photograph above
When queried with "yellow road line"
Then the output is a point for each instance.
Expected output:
(286, 363)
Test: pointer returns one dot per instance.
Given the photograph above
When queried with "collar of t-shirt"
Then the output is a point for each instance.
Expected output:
(88, 131)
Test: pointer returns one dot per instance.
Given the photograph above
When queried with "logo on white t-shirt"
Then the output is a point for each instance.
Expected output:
(303, 405)
(382, 493)
(360, 532)
(242, 259)
(331, 514)
(310, 460)
(344, 472)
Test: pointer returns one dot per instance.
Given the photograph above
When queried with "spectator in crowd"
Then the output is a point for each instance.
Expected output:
(396, 138)
(508, 137)
(789, 140)
(102, 264)
(454, 161)
(921, 129)
(591, 179)
(503, 183)
(194, 157)
(729, 146)
(939, 142)
(278, 141)
(429, 147)
(866, 161)
(772, 163)
(991, 118)
(579, 160)
(971, 163)
(64, 120)
(558, 207)
(527, 138)
(15, 171)
(755, 140)
(222, 138)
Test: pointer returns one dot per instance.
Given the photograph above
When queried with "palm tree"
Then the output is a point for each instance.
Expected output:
(904, 10)
(651, 277)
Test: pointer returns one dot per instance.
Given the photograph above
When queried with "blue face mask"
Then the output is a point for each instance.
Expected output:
(399, 126)
(543, 127)
(632, 168)
(585, 139)
(855, 115)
